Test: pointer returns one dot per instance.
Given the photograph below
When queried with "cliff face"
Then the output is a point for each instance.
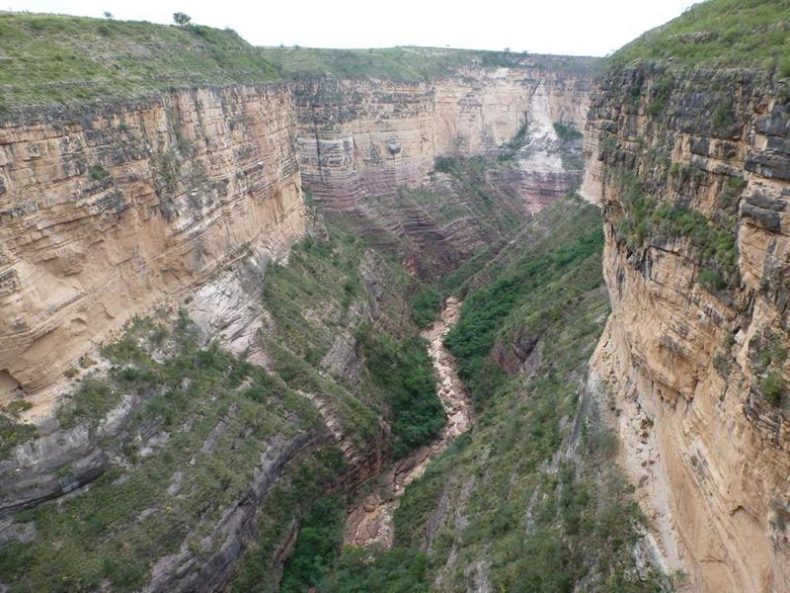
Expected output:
(367, 150)
(359, 139)
(108, 213)
(142, 208)
(692, 171)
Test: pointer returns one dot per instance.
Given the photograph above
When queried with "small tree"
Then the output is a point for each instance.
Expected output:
(181, 19)
(107, 15)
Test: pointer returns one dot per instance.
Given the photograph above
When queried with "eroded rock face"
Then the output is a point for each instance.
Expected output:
(358, 139)
(107, 213)
(692, 346)
(365, 147)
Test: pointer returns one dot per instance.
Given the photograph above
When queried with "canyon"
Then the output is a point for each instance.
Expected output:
(275, 327)
(109, 213)
(370, 523)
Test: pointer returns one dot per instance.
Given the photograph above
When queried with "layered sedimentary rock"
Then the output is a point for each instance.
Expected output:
(109, 212)
(692, 170)
(366, 138)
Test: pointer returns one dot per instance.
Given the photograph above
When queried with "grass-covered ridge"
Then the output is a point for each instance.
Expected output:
(406, 63)
(744, 33)
(48, 58)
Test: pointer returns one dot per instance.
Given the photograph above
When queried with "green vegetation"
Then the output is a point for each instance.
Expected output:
(181, 19)
(426, 304)
(492, 209)
(660, 93)
(530, 283)
(646, 219)
(64, 59)
(205, 418)
(773, 387)
(769, 356)
(404, 372)
(536, 526)
(13, 431)
(97, 172)
(92, 401)
(743, 33)
(566, 132)
(470, 173)
(318, 299)
(317, 560)
(317, 546)
(302, 484)
(406, 63)
(400, 570)
(398, 383)
(497, 498)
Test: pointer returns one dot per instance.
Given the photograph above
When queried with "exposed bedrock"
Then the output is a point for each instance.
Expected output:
(366, 138)
(112, 211)
(691, 171)
(108, 213)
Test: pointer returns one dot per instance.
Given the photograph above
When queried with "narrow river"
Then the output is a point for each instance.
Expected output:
(370, 522)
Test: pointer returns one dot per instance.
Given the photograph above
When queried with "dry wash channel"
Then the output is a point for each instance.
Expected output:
(370, 522)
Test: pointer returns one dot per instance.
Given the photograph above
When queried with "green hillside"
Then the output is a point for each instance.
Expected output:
(720, 33)
(53, 58)
(48, 59)
(407, 63)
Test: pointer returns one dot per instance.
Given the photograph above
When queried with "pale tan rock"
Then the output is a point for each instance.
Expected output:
(108, 214)
(709, 455)
(366, 138)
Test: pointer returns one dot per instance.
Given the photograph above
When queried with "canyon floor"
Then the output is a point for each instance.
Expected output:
(370, 521)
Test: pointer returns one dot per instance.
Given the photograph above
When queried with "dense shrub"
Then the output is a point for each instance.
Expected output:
(404, 372)
(425, 306)
(484, 311)
(773, 387)
(316, 548)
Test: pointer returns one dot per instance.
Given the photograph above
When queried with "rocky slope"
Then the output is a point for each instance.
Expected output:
(691, 166)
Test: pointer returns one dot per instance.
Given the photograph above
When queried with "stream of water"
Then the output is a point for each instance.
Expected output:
(370, 522)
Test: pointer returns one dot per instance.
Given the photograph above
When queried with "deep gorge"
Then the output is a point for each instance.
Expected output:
(217, 358)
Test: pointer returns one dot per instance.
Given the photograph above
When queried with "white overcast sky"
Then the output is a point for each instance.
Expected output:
(582, 27)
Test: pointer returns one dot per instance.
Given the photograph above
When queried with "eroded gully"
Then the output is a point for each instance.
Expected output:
(370, 522)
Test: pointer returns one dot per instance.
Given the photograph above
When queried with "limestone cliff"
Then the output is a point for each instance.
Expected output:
(363, 144)
(366, 138)
(109, 212)
(691, 167)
